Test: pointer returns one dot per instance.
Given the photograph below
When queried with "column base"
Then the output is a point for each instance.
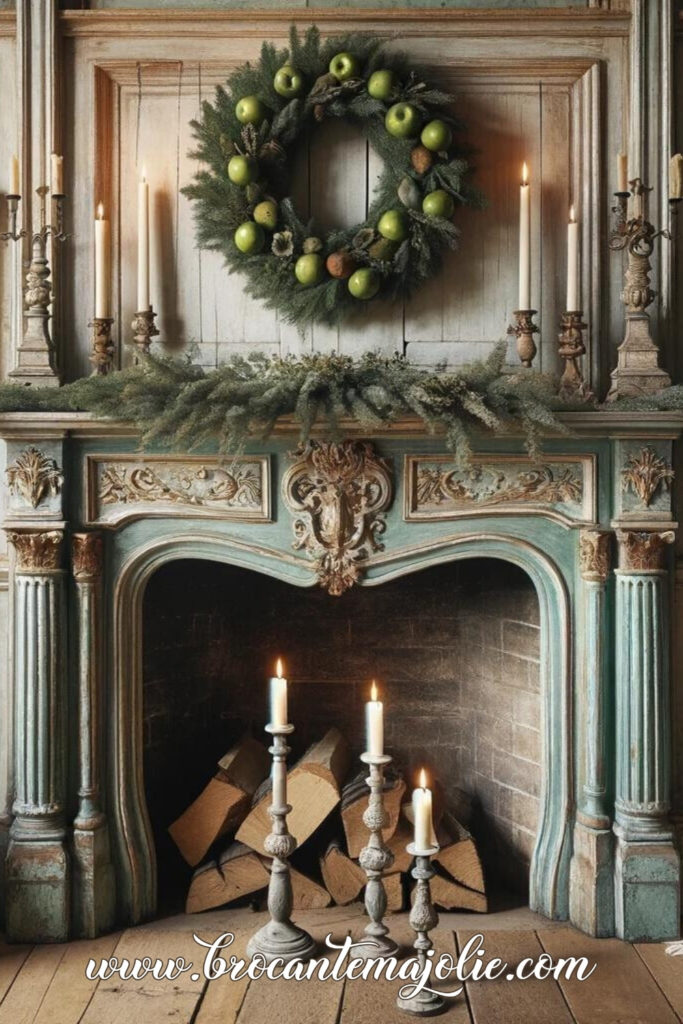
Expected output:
(646, 890)
(93, 883)
(591, 884)
(37, 874)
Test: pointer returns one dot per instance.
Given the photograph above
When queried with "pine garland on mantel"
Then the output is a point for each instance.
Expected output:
(177, 404)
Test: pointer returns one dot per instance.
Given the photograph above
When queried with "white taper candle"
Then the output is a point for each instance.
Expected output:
(374, 719)
(101, 264)
(57, 174)
(525, 241)
(622, 172)
(422, 813)
(278, 698)
(143, 244)
(573, 301)
(676, 176)
(14, 180)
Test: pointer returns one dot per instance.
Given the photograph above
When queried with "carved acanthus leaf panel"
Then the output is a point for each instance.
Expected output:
(338, 494)
(33, 476)
(645, 473)
(436, 489)
(128, 487)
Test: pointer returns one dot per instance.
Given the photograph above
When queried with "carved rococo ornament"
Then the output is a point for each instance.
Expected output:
(32, 476)
(594, 555)
(37, 551)
(645, 473)
(86, 555)
(643, 550)
(337, 493)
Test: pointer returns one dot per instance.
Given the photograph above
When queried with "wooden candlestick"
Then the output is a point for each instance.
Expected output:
(571, 348)
(102, 355)
(525, 328)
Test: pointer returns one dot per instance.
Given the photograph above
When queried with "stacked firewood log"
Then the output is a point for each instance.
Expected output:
(222, 833)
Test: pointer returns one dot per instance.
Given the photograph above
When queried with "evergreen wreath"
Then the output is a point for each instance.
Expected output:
(248, 136)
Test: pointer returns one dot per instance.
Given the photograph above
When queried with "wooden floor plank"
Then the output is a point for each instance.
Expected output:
(11, 960)
(620, 988)
(374, 1001)
(511, 1000)
(70, 990)
(666, 970)
(148, 1001)
(22, 1002)
(223, 997)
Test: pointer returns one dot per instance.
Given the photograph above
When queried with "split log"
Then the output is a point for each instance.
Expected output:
(451, 895)
(224, 802)
(355, 798)
(458, 854)
(393, 886)
(398, 843)
(342, 876)
(313, 790)
(238, 872)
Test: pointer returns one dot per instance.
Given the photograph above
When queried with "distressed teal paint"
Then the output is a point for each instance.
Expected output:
(577, 628)
(37, 868)
(647, 902)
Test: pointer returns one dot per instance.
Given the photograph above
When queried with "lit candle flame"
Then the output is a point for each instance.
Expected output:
(278, 668)
(423, 779)
(373, 690)
(525, 174)
(100, 211)
(572, 215)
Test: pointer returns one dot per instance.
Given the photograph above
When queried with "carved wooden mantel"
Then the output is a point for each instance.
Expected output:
(351, 513)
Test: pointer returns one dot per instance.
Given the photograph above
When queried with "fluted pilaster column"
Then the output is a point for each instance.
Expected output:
(37, 865)
(647, 867)
(93, 888)
(591, 902)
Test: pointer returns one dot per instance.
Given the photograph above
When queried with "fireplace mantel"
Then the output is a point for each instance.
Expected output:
(90, 518)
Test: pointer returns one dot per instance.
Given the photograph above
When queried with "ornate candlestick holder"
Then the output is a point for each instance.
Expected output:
(637, 371)
(423, 920)
(525, 328)
(144, 330)
(13, 211)
(280, 937)
(375, 858)
(571, 348)
(102, 356)
(36, 349)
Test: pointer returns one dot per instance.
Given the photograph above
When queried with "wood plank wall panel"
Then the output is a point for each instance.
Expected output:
(7, 147)
(514, 107)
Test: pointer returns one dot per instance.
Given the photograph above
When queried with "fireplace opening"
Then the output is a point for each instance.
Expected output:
(455, 649)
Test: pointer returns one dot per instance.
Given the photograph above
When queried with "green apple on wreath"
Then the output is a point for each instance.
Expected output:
(246, 143)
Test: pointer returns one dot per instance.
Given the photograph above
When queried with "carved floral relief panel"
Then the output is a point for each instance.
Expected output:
(645, 480)
(561, 486)
(34, 481)
(130, 487)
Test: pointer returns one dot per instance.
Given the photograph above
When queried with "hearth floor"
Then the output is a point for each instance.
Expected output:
(47, 984)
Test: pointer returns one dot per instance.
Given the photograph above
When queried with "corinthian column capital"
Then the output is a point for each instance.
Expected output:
(37, 550)
(643, 550)
(594, 555)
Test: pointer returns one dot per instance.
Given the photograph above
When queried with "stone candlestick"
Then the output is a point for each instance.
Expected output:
(375, 858)
(423, 919)
(571, 348)
(280, 937)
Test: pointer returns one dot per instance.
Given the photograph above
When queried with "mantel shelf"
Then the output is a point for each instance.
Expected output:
(604, 424)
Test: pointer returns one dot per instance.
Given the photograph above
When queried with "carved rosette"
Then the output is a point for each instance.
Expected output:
(643, 550)
(86, 555)
(338, 494)
(33, 476)
(594, 555)
(645, 473)
(37, 551)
